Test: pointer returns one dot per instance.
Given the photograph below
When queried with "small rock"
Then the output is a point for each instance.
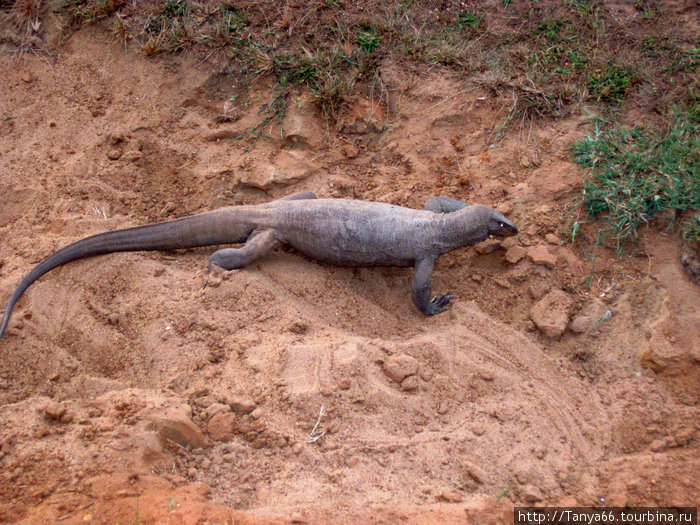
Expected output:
(349, 151)
(486, 375)
(175, 425)
(538, 289)
(659, 445)
(410, 383)
(55, 410)
(449, 496)
(589, 315)
(217, 408)
(487, 246)
(540, 255)
(551, 313)
(474, 472)
(114, 153)
(242, 405)
(514, 254)
(221, 426)
(426, 374)
(27, 77)
(344, 384)
(505, 208)
(478, 430)
(399, 367)
(290, 167)
(552, 239)
(502, 283)
(532, 494)
(509, 242)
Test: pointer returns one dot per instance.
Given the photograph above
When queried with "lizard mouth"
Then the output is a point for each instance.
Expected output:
(506, 231)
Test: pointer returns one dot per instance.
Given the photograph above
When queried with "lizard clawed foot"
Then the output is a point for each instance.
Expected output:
(439, 304)
(214, 276)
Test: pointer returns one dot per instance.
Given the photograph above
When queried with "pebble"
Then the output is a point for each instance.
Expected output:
(514, 254)
(540, 254)
(487, 246)
(474, 472)
(410, 383)
(216, 408)
(551, 313)
(54, 411)
(551, 238)
(114, 153)
(174, 425)
(349, 151)
(532, 494)
(449, 496)
(399, 367)
(242, 405)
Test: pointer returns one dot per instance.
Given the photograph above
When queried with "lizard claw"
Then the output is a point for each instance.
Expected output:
(439, 304)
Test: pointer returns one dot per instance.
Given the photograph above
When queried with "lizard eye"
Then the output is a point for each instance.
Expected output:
(501, 225)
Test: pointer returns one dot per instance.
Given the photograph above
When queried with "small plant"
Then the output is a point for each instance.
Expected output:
(549, 28)
(611, 84)
(175, 8)
(578, 59)
(368, 38)
(468, 20)
(639, 173)
(691, 230)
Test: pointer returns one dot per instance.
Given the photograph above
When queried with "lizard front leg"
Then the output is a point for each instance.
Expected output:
(444, 204)
(420, 293)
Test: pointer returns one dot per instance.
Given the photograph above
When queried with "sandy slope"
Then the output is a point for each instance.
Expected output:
(106, 357)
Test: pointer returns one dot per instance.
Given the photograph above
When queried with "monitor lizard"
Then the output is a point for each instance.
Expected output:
(344, 232)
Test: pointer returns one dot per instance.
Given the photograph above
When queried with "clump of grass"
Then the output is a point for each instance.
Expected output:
(639, 173)
(88, 11)
(611, 84)
(691, 229)
(468, 20)
(368, 38)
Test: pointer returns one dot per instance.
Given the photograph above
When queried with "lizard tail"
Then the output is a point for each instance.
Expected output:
(206, 229)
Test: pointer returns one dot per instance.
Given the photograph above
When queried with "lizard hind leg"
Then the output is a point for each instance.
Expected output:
(258, 244)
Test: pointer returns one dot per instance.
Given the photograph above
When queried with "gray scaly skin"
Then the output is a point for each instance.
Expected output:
(338, 231)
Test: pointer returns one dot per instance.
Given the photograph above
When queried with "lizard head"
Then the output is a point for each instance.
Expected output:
(499, 226)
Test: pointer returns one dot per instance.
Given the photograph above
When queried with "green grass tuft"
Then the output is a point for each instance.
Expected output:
(368, 38)
(611, 84)
(638, 173)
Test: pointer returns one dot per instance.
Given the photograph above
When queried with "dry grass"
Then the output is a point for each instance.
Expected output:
(542, 58)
